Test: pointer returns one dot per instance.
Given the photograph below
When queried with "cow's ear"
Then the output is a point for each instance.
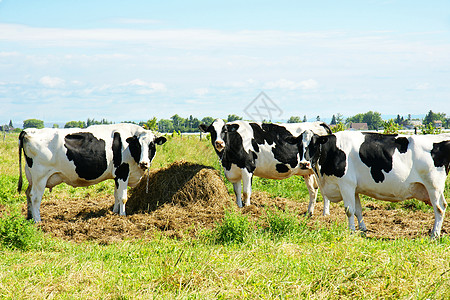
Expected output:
(160, 140)
(203, 128)
(292, 140)
(131, 139)
(322, 139)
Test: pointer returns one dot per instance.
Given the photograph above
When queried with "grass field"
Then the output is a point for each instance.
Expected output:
(287, 261)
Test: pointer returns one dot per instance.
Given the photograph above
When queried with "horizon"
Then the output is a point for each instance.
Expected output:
(49, 124)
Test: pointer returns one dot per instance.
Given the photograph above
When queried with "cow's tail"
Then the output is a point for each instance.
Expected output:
(21, 136)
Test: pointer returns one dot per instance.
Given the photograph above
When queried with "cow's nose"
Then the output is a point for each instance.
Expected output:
(143, 165)
(305, 165)
(220, 145)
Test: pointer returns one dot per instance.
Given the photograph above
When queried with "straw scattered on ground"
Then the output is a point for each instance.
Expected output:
(184, 198)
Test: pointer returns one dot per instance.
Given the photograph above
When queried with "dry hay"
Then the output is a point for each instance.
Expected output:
(182, 183)
(185, 198)
(182, 199)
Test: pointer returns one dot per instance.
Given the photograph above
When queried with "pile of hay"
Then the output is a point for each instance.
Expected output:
(182, 198)
(181, 183)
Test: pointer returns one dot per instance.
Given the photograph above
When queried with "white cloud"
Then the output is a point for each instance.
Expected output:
(52, 82)
(144, 88)
(422, 86)
(201, 92)
(309, 84)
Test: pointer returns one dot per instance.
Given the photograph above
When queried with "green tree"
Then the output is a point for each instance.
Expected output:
(75, 124)
(207, 120)
(55, 126)
(178, 122)
(11, 124)
(232, 118)
(430, 129)
(165, 125)
(151, 124)
(305, 119)
(333, 120)
(431, 117)
(338, 127)
(90, 122)
(373, 119)
(294, 119)
(391, 126)
(33, 123)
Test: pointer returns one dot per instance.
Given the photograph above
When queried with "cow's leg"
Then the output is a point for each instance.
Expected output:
(437, 199)
(234, 175)
(247, 186)
(348, 195)
(120, 196)
(311, 185)
(34, 194)
(326, 205)
(237, 187)
(358, 213)
(28, 194)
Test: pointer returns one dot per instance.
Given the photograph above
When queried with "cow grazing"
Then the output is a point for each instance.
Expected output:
(83, 157)
(386, 167)
(246, 149)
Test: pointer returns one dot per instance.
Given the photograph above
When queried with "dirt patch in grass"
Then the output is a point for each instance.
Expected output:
(183, 199)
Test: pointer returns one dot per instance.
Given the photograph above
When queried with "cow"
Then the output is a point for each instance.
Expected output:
(249, 148)
(387, 167)
(84, 157)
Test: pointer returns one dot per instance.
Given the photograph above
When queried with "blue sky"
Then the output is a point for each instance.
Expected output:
(73, 60)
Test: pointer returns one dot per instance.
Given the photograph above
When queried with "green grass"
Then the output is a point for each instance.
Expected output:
(277, 258)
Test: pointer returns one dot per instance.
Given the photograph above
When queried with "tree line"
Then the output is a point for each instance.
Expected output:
(180, 124)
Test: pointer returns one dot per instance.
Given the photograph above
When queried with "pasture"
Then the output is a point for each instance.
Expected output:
(268, 250)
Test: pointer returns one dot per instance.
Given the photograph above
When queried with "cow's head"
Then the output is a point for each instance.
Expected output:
(143, 147)
(308, 144)
(218, 132)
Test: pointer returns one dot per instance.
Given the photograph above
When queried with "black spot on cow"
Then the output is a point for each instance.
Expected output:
(441, 155)
(117, 149)
(324, 151)
(377, 150)
(121, 173)
(234, 152)
(258, 134)
(151, 151)
(135, 148)
(276, 136)
(255, 145)
(88, 154)
(282, 168)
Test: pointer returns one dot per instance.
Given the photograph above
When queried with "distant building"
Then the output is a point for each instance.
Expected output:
(437, 124)
(359, 126)
(416, 123)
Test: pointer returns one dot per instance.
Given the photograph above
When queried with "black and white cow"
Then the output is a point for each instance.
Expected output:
(83, 157)
(386, 167)
(247, 148)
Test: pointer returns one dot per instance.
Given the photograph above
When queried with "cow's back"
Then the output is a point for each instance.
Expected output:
(78, 157)
(388, 167)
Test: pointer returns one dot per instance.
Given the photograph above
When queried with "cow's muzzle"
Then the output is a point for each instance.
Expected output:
(304, 165)
(144, 165)
(220, 145)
